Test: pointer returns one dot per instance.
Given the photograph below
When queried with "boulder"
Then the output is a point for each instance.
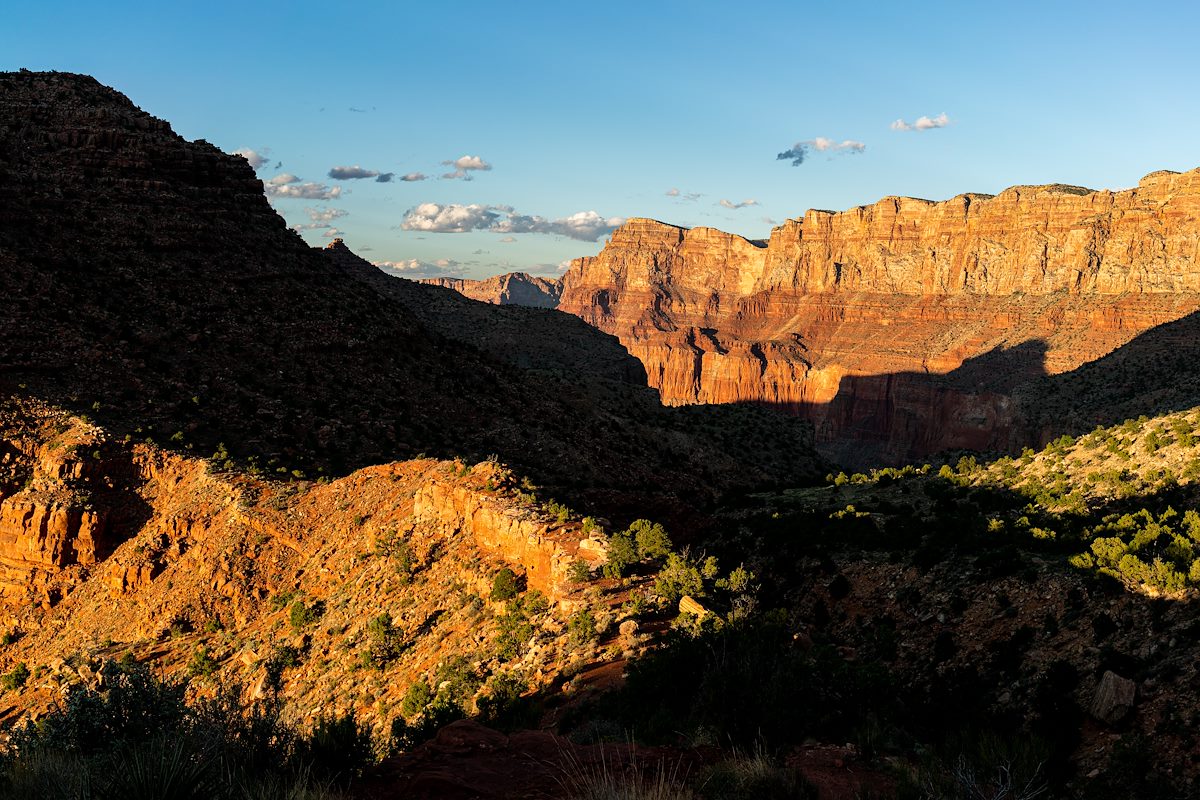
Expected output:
(1114, 698)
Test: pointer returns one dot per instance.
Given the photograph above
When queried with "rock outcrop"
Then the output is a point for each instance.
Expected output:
(904, 327)
(513, 288)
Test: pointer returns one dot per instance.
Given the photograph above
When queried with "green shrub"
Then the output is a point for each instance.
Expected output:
(579, 572)
(504, 585)
(300, 615)
(15, 679)
(384, 642)
(651, 540)
(581, 628)
(202, 664)
(416, 699)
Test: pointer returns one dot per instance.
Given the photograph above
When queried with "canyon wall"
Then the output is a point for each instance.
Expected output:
(512, 289)
(905, 327)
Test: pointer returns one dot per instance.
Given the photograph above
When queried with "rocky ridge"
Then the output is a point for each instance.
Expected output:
(904, 327)
(513, 288)
(219, 561)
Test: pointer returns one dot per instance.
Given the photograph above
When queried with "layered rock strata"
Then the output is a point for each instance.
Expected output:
(904, 327)
(512, 289)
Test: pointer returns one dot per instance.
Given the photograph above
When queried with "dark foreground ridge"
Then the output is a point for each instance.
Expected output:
(149, 284)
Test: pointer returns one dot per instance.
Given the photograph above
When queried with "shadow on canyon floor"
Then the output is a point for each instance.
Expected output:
(1005, 400)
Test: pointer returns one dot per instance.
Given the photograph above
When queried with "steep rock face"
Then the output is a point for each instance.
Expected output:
(541, 549)
(904, 327)
(514, 288)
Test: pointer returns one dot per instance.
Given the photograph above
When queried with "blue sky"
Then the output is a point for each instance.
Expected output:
(589, 113)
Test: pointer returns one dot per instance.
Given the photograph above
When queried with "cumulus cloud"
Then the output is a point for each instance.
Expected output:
(587, 226)
(771, 222)
(332, 233)
(736, 206)
(449, 218)
(255, 158)
(321, 218)
(800, 150)
(922, 123)
(415, 268)
(283, 179)
(414, 176)
(508, 239)
(303, 191)
(683, 195)
(351, 173)
(464, 165)
(385, 177)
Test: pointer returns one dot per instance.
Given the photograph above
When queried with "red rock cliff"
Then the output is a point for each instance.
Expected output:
(904, 327)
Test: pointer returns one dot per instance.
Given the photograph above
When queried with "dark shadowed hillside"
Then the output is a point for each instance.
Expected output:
(150, 284)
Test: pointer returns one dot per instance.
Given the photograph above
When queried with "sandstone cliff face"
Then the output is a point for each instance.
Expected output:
(904, 327)
(514, 288)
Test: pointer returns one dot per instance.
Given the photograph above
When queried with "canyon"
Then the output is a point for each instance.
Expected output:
(513, 288)
(907, 327)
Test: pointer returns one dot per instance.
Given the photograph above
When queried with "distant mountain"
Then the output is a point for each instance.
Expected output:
(513, 288)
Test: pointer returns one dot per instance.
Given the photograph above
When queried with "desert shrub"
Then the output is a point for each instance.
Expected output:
(338, 749)
(301, 615)
(754, 777)
(622, 554)
(579, 572)
(384, 642)
(504, 585)
(581, 628)
(134, 736)
(514, 632)
(416, 699)
(651, 539)
(17, 678)
(503, 705)
(201, 664)
(679, 576)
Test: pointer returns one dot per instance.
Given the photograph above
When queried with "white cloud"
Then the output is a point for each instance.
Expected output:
(799, 151)
(414, 176)
(464, 165)
(325, 214)
(415, 268)
(587, 226)
(449, 218)
(321, 218)
(351, 173)
(332, 233)
(683, 195)
(255, 158)
(922, 123)
(508, 239)
(672, 193)
(283, 179)
(303, 191)
(735, 206)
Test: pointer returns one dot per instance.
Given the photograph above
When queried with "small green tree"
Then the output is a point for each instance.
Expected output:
(581, 628)
(622, 554)
(579, 572)
(416, 699)
(504, 585)
(651, 539)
